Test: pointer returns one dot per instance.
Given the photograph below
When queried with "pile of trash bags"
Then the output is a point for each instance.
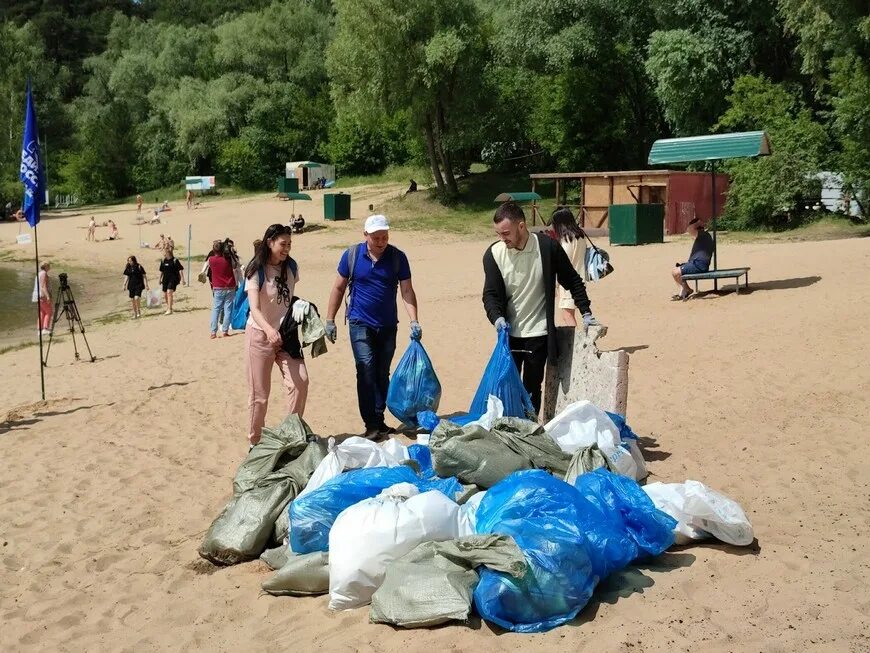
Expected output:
(516, 521)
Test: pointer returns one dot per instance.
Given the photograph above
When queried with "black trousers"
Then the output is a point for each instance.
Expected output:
(530, 357)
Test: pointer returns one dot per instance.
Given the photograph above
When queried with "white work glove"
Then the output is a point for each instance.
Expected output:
(300, 308)
(501, 323)
(416, 330)
(331, 331)
(589, 320)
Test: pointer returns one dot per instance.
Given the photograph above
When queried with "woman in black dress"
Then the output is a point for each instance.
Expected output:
(135, 282)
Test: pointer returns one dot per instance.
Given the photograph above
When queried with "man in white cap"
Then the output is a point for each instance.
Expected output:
(372, 271)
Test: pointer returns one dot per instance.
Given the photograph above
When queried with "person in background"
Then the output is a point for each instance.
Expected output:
(270, 282)
(297, 224)
(189, 199)
(223, 283)
(44, 295)
(570, 237)
(92, 230)
(379, 270)
(519, 293)
(155, 219)
(161, 244)
(138, 204)
(171, 275)
(135, 282)
(205, 272)
(113, 230)
(699, 259)
(170, 244)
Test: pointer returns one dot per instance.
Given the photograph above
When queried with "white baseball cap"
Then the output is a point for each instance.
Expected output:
(376, 223)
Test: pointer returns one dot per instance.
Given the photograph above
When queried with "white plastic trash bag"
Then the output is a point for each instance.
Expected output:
(468, 515)
(583, 424)
(152, 298)
(355, 453)
(701, 512)
(369, 535)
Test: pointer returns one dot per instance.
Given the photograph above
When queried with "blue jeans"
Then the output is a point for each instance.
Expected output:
(223, 299)
(373, 351)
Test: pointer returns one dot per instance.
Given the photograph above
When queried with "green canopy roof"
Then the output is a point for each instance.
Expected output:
(708, 148)
(297, 196)
(523, 196)
(311, 164)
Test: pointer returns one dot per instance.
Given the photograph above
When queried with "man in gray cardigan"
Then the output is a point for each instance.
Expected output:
(519, 293)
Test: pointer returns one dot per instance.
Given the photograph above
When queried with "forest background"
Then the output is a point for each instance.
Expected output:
(134, 95)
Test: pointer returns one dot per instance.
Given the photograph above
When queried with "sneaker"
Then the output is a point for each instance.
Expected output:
(46, 332)
(373, 434)
(168, 313)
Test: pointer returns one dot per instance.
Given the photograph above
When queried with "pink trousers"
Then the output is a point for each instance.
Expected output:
(45, 311)
(260, 356)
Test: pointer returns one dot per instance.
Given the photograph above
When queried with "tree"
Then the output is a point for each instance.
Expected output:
(765, 192)
(424, 58)
(586, 100)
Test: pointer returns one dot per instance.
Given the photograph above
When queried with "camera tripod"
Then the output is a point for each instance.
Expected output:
(71, 310)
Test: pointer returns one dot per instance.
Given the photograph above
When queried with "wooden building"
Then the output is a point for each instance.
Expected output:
(686, 195)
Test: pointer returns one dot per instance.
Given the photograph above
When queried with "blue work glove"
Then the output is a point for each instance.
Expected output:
(501, 323)
(589, 320)
(416, 330)
(331, 331)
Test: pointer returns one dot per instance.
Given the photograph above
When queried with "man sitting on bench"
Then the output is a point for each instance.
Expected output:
(699, 259)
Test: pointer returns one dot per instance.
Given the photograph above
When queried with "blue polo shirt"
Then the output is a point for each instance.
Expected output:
(374, 285)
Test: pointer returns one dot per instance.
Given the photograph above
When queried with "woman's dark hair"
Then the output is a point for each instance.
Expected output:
(565, 225)
(229, 253)
(135, 262)
(261, 259)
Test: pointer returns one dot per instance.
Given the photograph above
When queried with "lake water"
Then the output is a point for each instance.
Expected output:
(17, 311)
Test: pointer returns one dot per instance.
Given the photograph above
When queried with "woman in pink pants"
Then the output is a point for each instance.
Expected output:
(270, 279)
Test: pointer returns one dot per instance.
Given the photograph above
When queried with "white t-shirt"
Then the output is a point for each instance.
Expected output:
(523, 274)
(269, 306)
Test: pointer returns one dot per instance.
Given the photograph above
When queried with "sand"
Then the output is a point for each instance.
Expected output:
(108, 487)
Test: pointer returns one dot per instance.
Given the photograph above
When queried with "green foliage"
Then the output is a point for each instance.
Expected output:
(136, 94)
(766, 192)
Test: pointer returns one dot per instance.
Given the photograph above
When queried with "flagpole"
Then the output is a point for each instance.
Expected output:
(38, 312)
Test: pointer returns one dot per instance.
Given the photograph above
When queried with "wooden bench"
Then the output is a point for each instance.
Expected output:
(730, 273)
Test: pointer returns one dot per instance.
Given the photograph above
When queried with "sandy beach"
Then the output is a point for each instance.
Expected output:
(108, 487)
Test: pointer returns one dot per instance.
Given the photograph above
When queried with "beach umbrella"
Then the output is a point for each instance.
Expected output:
(296, 196)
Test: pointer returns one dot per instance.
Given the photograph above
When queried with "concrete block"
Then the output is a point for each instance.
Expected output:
(583, 372)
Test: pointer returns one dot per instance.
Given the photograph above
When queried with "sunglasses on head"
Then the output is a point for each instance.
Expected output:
(276, 230)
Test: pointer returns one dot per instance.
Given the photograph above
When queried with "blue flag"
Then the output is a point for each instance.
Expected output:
(32, 173)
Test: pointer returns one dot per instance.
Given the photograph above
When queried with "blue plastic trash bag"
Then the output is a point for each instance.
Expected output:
(414, 386)
(544, 516)
(312, 515)
(423, 457)
(651, 529)
(427, 420)
(625, 432)
(502, 379)
(572, 538)
(240, 309)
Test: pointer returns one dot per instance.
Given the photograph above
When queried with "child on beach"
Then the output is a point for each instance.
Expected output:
(92, 229)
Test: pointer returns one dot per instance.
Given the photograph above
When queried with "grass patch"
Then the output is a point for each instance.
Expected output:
(469, 214)
(826, 228)
(392, 175)
(176, 194)
(18, 347)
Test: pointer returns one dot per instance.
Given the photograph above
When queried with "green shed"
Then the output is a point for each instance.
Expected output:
(288, 185)
(336, 206)
(637, 224)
